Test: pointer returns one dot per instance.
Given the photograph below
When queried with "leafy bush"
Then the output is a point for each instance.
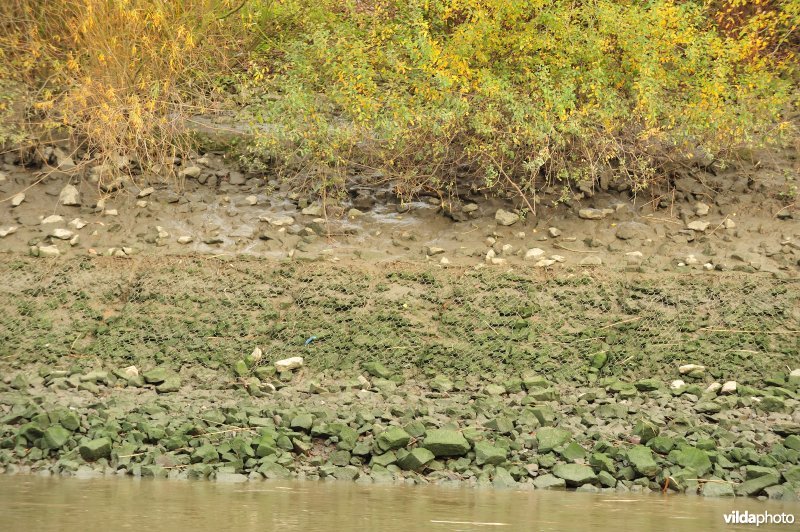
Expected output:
(519, 93)
(120, 76)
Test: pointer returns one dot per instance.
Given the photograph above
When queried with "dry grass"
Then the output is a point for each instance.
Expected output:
(120, 77)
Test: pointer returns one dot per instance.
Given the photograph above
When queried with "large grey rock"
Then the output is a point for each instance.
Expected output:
(549, 482)
(549, 438)
(717, 489)
(641, 458)
(574, 474)
(486, 453)
(443, 442)
(56, 436)
(95, 449)
(757, 485)
(414, 460)
(393, 438)
(630, 230)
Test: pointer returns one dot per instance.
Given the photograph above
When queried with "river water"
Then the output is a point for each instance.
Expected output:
(32, 503)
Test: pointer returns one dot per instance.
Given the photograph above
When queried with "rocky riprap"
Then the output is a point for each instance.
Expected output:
(521, 431)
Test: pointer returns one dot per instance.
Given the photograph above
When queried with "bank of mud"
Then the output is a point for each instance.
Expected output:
(418, 373)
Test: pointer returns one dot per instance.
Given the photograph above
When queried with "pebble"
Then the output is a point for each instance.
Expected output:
(18, 199)
(70, 196)
(677, 384)
(52, 219)
(141, 204)
(729, 388)
(544, 263)
(77, 223)
(688, 368)
(186, 239)
(698, 225)
(277, 221)
(289, 364)
(534, 253)
(111, 212)
(49, 251)
(554, 232)
(506, 218)
(146, 192)
(190, 171)
(5, 231)
(701, 209)
(591, 260)
(63, 234)
(591, 214)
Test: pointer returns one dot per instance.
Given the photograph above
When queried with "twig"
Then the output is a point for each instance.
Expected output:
(619, 323)
(565, 248)
(708, 329)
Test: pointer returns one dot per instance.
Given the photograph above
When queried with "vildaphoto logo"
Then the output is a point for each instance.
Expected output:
(749, 518)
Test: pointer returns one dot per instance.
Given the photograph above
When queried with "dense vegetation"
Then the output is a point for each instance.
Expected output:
(428, 91)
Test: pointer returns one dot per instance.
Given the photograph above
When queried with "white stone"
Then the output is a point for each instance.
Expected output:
(708, 266)
(490, 255)
(74, 240)
(289, 364)
(70, 196)
(554, 232)
(141, 204)
(131, 371)
(544, 263)
(277, 221)
(498, 261)
(445, 261)
(52, 219)
(190, 171)
(49, 251)
(185, 239)
(729, 387)
(111, 212)
(691, 260)
(256, 355)
(18, 199)
(251, 200)
(433, 250)
(698, 225)
(77, 223)
(688, 368)
(558, 258)
(701, 209)
(146, 192)
(312, 210)
(534, 253)
(677, 384)
(61, 233)
(714, 387)
(728, 223)
(5, 231)
(161, 232)
(506, 218)
(591, 260)
(507, 248)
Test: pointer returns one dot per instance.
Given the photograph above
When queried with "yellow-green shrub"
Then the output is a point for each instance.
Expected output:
(519, 90)
(120, 75)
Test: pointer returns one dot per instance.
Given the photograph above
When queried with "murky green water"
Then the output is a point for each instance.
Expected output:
(31, 503)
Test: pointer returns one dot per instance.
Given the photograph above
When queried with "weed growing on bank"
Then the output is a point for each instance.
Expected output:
(430, 93)
(119, 77)
(515, 93)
